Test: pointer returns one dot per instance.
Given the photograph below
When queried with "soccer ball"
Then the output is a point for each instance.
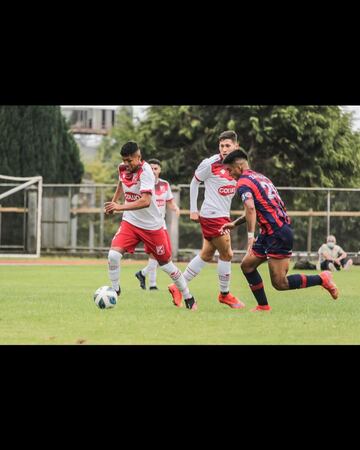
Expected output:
(105, 297)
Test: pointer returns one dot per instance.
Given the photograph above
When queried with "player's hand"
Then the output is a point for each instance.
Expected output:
(194, 217)
(111, 207)
(337, 261)
(226, 228)
(177, 211)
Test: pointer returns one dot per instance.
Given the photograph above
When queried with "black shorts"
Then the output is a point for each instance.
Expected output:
(278, 245)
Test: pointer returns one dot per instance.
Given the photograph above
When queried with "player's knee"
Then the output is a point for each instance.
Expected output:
(114, 257)
(280, 284)
(207, 257)
(226, 256)
(246, 267)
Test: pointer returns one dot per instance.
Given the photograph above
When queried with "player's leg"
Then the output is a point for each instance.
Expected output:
(223, 245)
(156, 243)
(124, 241)
(279, 252)
(249, 266)
(150, 270)
(194, 268)
(152, 273)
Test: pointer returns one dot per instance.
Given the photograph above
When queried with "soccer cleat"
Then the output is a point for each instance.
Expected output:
(328, 284)
(141, 278)
(261, 308)
(176, 295)
(348, 264)
(231, 301)
(191, 304)
(118, 291)
(153, 288)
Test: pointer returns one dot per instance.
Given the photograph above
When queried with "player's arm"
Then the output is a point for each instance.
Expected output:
(173, 206)
(343, 255)
(143, 202)
(194, 193)
(227, 227)
(250, 216)
(117, 195)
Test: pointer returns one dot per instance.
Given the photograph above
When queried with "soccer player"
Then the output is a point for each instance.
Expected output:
(263, 204)
(220, 189)
(142, 220)
(164, 200)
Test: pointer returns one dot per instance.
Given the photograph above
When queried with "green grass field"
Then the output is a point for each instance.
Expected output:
(54, 305)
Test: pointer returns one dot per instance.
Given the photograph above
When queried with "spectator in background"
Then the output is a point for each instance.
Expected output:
(333, 257)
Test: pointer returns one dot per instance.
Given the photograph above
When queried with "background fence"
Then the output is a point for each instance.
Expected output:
(73, 221)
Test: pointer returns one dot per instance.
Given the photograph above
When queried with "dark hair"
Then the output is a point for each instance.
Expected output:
(129, 148)
(154, 161)
(233, 156)
(228, 135)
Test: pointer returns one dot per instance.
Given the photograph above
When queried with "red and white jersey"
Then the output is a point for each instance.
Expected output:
(220, 187)
(135, 184)
(163, 195)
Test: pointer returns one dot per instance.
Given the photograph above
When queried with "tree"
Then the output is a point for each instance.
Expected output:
(35, 140)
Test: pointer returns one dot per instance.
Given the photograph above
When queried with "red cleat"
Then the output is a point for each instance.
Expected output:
(261, 308)
(328, 284)
(176, 295)
(231, 301)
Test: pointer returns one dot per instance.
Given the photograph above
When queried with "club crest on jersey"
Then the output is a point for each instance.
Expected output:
(246, 196)
(227, 190)
(131, 196)
(160, 250)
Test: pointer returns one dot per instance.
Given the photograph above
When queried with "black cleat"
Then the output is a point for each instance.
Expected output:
(118, 291)
(153, 288)
(141, 278)
(191, 303)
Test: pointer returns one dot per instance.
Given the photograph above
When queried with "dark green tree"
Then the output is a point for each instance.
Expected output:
(35, 140)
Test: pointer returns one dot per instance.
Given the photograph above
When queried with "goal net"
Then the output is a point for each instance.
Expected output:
(20, 216)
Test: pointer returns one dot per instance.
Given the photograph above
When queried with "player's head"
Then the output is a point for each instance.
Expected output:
(236, 162)
(228, 142)
(156, 167)
(331, 241)
(131, 156)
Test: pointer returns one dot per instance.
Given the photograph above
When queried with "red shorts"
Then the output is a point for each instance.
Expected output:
(210, 227)
(156, 242)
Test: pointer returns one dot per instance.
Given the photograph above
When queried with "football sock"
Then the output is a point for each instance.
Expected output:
(224, 273)
(152, 272)
(114, 268)
(303, 281)
(256, 285)
(178, 278)
(194, 268)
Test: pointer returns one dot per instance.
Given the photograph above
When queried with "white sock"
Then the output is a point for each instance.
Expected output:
(114, 268)
(151, 270)
(152, 263)
(224, 273)
(178, 278)
(194, 268)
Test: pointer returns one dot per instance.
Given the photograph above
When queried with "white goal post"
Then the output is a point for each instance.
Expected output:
(25, 183)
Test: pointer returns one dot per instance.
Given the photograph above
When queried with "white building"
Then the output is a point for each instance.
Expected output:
(90, 119)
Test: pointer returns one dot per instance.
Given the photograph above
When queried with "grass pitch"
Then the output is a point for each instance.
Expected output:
(54, 305)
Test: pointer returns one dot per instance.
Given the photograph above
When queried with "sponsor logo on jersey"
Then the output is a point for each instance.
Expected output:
(131, 196)
(227, 190)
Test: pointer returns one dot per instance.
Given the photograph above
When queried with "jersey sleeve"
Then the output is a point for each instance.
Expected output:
(169, 195)
(147, 182)
(203, 171)
(245, 192)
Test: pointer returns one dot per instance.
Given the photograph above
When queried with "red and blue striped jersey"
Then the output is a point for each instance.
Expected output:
(270, 209)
